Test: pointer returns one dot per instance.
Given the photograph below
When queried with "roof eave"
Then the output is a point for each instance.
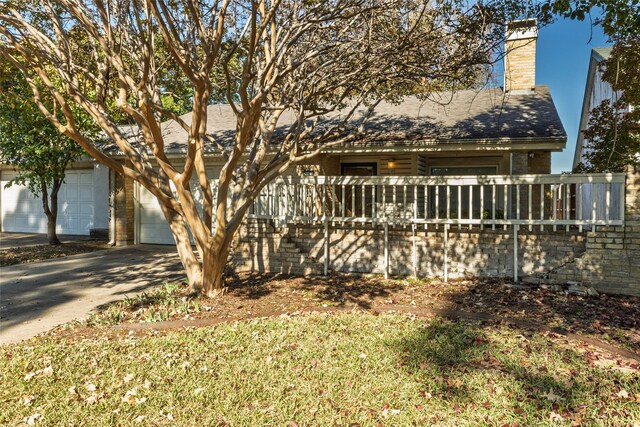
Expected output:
(482, 144)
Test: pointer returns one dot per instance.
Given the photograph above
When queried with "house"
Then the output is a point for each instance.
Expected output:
(83, 202)
(491, 131)
(457, 184)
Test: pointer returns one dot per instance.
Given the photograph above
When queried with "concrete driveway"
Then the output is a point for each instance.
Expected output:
(38, 296)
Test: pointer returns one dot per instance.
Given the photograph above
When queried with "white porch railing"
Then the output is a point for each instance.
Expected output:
(540, 200)
(579, 200)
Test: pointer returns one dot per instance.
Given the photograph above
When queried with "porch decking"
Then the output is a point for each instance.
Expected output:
(507, 202)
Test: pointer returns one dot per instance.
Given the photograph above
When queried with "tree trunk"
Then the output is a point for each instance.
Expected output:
(213, 265)
(52, 236)
(51, 210)
(188, 258)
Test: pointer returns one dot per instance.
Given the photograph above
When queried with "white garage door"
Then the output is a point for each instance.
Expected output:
(153, 226)
(21, 212)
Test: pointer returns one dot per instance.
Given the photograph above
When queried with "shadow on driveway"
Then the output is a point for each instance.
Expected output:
(38, 296)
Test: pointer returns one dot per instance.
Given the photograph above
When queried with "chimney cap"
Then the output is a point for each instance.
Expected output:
(522, 29)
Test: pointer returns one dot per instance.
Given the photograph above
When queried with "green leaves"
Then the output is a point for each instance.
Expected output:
(28, 140)
(613, 139)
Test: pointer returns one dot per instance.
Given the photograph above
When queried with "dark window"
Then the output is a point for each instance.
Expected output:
(358, 169)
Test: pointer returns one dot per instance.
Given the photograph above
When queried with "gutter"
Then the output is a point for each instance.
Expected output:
(423, 145)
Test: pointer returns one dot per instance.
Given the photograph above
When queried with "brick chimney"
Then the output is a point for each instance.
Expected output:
(520, 58)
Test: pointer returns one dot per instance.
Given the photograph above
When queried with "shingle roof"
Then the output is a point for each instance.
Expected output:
(466, 115)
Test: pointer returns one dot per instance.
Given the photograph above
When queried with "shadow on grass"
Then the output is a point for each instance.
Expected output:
(338, 290)
(460, 363)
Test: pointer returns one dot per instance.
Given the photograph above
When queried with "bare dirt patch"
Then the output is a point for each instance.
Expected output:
(605, 318)
(23, 255)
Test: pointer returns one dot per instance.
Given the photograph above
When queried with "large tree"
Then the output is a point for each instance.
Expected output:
(29, 142)
(266, 58)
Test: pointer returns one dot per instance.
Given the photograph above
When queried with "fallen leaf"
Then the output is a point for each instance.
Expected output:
(552, 397)
(94, 398)
(127, 378)
(90, 387)
(555, 418)
(198, 391)
(130, 396)
(623, 394)
(31, 419)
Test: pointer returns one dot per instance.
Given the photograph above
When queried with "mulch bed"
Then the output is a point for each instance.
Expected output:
(23, 255)
(604, 320)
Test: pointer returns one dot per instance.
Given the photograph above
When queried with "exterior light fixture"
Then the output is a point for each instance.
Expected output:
(391, 164)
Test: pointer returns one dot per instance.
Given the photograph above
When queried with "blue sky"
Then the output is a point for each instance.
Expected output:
(562, 59)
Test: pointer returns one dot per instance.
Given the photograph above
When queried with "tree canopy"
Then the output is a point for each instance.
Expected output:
(29, 142)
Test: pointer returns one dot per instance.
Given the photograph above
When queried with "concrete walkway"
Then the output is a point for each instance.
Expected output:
(38, 296)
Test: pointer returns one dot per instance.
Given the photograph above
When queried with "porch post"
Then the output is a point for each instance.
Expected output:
(446, 253)
(515, 252)
(326, 245)
(386, 250)
(415, 251)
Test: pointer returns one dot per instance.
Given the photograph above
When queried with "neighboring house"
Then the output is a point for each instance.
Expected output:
(83, 202)
(596, 91)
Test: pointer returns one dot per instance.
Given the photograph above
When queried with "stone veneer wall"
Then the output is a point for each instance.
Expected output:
(607, 259)
(358, 249)
(124, 210)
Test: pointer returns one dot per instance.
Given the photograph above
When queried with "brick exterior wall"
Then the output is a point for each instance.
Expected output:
(520, 64)
(607, 259)
(611, 262)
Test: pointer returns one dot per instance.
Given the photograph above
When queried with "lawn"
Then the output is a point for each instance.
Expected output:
(320, 369)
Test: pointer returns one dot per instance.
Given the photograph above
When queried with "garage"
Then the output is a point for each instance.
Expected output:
(153, 227)
(82, 204)
(152, 224)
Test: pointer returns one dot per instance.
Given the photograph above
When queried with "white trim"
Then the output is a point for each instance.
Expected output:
(529, 32)
(495, 168)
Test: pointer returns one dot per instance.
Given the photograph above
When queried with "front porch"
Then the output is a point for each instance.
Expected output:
(519, 225)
